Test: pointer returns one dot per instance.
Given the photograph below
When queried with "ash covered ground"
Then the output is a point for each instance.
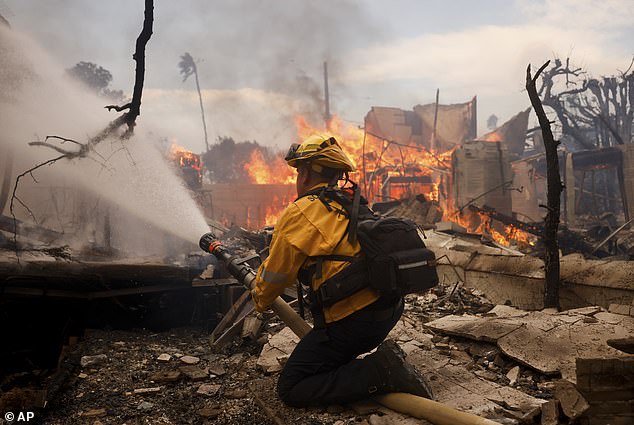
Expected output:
(178, 377)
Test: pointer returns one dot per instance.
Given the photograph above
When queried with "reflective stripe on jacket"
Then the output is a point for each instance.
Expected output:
(307, 229)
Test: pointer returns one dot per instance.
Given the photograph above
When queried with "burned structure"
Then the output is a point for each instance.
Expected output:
(107, 326)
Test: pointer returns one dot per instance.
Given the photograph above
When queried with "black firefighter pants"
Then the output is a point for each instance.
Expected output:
(320, 373)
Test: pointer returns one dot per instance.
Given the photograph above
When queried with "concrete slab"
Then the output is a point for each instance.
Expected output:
(481, 329)
(548, 343)
(276, 350)
(458, 387)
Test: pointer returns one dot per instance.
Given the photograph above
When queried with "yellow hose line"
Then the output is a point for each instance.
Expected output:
(429, 410)
(407, 404)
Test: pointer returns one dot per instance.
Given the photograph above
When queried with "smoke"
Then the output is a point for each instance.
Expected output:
(129, 181)
(275, 47)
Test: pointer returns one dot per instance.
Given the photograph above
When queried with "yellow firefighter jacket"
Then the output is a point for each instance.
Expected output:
(305, 229)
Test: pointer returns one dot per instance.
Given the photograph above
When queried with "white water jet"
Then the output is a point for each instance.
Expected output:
(37, 99)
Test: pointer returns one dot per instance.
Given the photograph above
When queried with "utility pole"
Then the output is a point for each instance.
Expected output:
(432, 143)
(327, 115)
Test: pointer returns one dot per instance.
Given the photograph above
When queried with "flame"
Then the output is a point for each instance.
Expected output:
(494, 136)
(481, 223)
(376, 159)
(184, 157)
(520, 236)
(275, 210)
(268, 172)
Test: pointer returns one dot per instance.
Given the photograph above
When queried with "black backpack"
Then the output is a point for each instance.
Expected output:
(395, 260)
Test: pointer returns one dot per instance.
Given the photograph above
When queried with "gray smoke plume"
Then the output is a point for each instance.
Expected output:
(277, 46)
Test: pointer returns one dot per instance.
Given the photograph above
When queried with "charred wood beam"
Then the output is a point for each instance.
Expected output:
(597, 194)
(534, 228)
(39, 233)
(554, 189)
(91, 295)
(230, 315)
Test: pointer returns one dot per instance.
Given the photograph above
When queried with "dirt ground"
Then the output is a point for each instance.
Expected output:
(177, 377)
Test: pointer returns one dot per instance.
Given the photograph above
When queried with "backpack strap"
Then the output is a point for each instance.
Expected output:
(316, 269)
(354, 215)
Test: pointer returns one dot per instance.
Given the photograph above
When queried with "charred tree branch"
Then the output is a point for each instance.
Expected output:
(14, 197)
(118, 108)
(139, 58)
(128, 118)
(554, 185)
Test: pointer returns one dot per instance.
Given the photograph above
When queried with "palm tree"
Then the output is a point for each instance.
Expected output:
(188, 67)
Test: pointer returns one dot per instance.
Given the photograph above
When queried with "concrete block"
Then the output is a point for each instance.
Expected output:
(573, 404)
(613, 408)
(623, 309)
(550, 413)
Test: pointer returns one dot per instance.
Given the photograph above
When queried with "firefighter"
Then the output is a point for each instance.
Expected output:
(324, 369)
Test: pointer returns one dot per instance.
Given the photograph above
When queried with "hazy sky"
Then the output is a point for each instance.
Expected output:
(260, 62)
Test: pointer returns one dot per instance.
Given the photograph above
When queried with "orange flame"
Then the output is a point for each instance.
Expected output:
(481, 223)
(378, 159)
(275, 210)
(184, 157)
(268, 172)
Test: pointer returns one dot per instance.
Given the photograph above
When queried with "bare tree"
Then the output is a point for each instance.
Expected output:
(188, 67)
(554, 189)
(83, 150)
(594, 112)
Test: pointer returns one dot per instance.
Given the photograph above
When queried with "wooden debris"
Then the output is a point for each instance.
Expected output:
(93, 413)
(230, 316)
(150, 390)
(270, 413)
(210, 412)
(251, 327)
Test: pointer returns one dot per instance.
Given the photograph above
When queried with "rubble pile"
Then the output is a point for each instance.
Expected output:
(139, 377)
(444, 300)
(480, 358)
(422, 211)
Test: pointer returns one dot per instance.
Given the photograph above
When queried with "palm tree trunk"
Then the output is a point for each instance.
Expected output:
(202, 110)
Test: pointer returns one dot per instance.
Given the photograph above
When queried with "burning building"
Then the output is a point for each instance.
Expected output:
(188, 165)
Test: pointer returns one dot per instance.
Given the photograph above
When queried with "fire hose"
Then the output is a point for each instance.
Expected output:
(417, 407)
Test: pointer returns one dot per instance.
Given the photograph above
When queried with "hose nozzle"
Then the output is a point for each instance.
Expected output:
(208, 242)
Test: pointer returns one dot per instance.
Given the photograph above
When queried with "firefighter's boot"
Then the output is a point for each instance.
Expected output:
(395, 374)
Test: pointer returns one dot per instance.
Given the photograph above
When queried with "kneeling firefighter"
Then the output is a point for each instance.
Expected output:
(312, 243)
